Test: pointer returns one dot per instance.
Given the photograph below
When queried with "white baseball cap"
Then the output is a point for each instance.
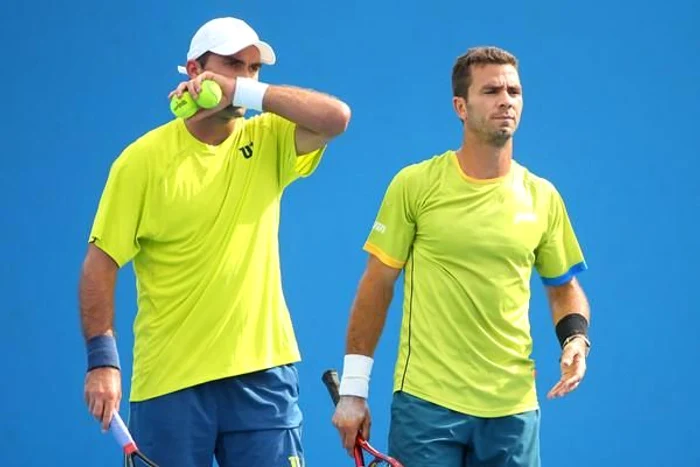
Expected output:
(227, 36)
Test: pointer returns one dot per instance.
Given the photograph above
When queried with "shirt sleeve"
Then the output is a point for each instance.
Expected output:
(118, 224)
(292, 165)
(559, 257)
(394, 228)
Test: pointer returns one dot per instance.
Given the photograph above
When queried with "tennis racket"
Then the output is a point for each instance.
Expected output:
(123, 437)
(330, 379)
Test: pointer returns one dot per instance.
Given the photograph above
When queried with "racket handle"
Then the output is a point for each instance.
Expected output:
(121, 433)
(330, 379)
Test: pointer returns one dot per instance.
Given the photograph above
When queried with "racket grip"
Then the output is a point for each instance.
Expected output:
(120, 431)
(330, 379)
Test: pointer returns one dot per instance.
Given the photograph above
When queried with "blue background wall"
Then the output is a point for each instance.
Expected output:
(611, 116)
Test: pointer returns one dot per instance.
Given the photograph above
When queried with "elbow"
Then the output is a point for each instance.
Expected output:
(338, 119)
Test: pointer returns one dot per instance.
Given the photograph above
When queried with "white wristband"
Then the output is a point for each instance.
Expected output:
(356, 373)
(249, 93)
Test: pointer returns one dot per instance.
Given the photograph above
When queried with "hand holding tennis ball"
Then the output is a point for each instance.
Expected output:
(209, 94)
(185, 106)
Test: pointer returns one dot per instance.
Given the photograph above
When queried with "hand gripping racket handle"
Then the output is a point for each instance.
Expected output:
(121, 433)
(330, 379)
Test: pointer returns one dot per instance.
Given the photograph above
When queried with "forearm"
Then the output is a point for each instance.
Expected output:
(568, 299)
(570, 311)
(315, 111)
(96, 308)
(96, 297)
(368, 316)
(367, 320)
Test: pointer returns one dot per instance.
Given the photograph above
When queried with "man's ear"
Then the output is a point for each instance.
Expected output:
(193, 68)
(460, 107)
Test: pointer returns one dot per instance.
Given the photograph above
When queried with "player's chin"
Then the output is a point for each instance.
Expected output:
(230, 112)
(502, 136)
(237, 111)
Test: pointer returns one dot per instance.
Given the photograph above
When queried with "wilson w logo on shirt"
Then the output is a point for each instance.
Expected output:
(247, 150)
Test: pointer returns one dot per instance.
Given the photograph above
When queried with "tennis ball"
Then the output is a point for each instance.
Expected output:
(183, 106)
(209, 94)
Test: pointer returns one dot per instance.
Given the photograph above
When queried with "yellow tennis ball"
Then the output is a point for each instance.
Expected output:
(209, 94)
(183, 106)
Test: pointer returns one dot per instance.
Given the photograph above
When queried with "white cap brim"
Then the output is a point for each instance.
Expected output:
(267, 54)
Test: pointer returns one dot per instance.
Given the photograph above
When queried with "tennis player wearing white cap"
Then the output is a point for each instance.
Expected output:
(195, 204)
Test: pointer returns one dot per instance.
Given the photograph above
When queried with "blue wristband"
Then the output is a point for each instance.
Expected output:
(102, 352)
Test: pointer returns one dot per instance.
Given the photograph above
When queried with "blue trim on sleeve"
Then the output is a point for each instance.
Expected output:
(567, 276)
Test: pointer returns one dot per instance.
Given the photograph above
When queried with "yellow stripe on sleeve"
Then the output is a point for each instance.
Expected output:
(383, 257)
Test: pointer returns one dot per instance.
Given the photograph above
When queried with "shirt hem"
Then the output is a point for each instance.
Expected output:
(567, 276)
(473, 411)
(106, 249)
(141, 395)
(382, 256)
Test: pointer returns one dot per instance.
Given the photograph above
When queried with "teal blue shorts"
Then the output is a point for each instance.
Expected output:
(423, 434)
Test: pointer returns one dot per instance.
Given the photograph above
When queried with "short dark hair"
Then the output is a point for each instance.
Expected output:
(202, 59)
(462, 69)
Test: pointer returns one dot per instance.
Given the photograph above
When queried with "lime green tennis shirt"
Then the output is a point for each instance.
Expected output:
(468, 248)
(200, 223)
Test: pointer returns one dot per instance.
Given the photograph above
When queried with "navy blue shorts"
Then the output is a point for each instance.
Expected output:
(423, 434)
(253, 419)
